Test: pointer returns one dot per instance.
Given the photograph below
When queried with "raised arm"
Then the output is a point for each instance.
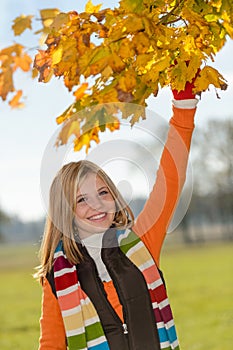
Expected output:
(152, 223)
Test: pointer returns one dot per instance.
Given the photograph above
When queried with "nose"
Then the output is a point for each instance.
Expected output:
(96, 203)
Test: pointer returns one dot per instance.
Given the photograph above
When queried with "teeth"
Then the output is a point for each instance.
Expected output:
(96, 217)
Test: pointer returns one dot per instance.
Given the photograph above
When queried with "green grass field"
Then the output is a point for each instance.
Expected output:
(199, 281)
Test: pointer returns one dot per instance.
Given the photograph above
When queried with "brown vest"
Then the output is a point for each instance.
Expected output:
(132, 292)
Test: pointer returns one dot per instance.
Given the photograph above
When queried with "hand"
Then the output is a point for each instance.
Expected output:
(187, 93)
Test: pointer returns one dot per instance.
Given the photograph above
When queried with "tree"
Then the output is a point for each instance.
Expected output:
(213, 162)
(212, 202)
(3, 219)
(118, 55)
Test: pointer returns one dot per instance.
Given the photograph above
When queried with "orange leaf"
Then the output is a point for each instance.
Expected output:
(43, 63)
(15, 103)
(23, 62)
(113, 125)
(79, 93)
(6, 83)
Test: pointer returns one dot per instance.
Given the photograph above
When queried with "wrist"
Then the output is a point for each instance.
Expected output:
(186, 103)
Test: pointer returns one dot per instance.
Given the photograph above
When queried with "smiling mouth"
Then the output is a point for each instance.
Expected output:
(98, 217)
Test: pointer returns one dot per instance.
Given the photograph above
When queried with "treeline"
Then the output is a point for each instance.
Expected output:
(14, 230)
(209, 217)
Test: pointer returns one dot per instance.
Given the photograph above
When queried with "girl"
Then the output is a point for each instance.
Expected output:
(102, 287)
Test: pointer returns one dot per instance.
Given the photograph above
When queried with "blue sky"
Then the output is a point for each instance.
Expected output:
(25, 133)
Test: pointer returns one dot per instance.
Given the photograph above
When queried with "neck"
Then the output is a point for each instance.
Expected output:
(94, 240)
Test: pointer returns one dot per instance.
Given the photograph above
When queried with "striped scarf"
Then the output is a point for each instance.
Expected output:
(82, 324)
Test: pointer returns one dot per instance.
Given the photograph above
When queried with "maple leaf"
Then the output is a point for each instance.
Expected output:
(23, 62)
(42, 63)
(90, 8)
(15, 101)
(71, 127)
(22, 23)
(6, 83)
(79, 93)
(86, 138)
(209, 75)
(132, 6)
(48, 16)
(123, 54)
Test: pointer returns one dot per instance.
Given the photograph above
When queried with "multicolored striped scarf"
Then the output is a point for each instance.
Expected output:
(82, 324)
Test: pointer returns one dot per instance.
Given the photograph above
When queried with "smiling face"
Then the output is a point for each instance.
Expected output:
(95, 206)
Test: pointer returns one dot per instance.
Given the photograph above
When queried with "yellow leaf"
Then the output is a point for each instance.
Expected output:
(207, 76)
(72, 127)
(229, 28)
(132, 6)
(99, 53)
(14, 102)
(137, 115)
(141, 43)
(98, 66)
(34, 73)
(161, 64)
(48, 16)
(22, 23)
(126, 50)
(116, 63)
(90, 8)
(57, 55)
(193, 66)
(179, 75)
(143, 61)
(107, 72)
(133, 24)
(60, 20)
(127, 82)
(110, 96)
(86, 138)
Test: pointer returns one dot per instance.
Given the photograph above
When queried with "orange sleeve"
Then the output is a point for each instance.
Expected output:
(152, 223)
(52, 331)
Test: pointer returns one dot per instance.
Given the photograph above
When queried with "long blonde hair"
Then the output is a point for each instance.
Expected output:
(62, 206)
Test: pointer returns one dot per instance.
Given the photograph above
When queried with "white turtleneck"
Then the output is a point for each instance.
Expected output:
(93, 244)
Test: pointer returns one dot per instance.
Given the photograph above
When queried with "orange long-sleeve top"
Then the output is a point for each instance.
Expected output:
(151, 224)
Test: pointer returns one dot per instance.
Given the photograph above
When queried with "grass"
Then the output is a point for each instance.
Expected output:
(200, 287)
(20, 298)
(199, 281)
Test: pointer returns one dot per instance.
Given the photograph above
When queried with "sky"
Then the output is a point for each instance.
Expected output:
(26, 133)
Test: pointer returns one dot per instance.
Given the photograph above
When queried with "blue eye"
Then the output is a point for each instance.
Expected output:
(103, 192)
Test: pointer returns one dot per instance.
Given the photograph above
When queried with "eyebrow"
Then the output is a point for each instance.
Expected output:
(84, 194)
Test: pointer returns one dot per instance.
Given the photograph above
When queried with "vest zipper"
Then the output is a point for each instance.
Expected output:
(125, 329)
(118, 290)
(111, 309)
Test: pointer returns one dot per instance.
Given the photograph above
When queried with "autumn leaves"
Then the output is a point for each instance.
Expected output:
(118, 55)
